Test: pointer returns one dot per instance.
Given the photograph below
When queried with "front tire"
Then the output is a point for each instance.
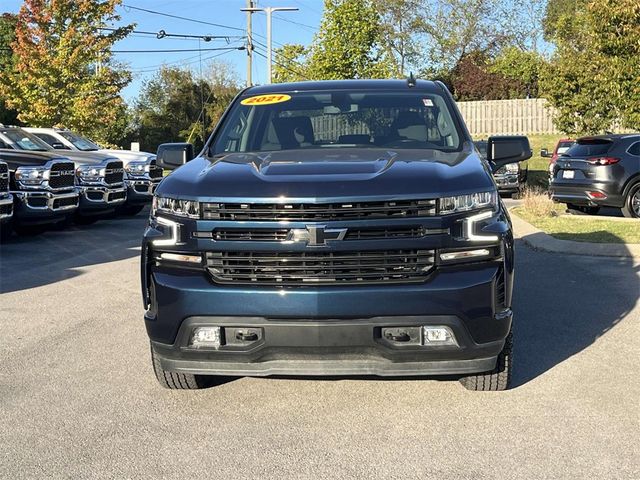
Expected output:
(175, 380)
(497, 379)
(631, 207)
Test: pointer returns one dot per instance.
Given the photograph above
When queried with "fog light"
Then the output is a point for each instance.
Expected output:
(205, 337)
(432, 336)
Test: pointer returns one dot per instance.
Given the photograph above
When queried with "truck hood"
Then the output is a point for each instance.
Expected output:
(129, 156)
(87, 158)
(23, 158)
(326, 173)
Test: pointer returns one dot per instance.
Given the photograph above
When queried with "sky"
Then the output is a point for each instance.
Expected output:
(288, 27)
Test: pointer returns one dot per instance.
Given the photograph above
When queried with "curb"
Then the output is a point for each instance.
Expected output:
(538, 240)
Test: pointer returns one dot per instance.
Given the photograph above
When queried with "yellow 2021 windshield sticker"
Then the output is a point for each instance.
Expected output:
(266, 99)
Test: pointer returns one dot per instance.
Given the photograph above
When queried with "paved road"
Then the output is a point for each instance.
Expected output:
(78, 398)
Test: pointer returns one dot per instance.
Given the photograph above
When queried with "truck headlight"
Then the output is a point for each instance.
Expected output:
(137, 169)
(175, 206)
(512, 167)
(471, 201)
(32, 175)
(90, 173)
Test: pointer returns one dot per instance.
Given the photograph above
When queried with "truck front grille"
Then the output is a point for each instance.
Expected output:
(4, 178)
(114, 173)
(318, 268)
(312, 212)
(62, 175)
(282, 234)
(154, 170)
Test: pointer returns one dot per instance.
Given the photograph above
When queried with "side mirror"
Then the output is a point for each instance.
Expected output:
(544, 153)
(174, 155)
(508, 149)
(59, 146)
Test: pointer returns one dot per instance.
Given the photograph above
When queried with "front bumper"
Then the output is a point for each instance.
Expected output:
(141, 190)
(6, 208)
(507, 182)
(44, 206)
(577, 194)
(97, 198)
(329, 330)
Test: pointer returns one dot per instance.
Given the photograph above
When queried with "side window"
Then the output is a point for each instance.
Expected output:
(635, 149)
(47, 138)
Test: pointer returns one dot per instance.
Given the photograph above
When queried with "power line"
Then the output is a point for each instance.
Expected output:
(154, 68)
(282, 19)
(290, 70)
(162, 34)
(182, 18)
(180, 50)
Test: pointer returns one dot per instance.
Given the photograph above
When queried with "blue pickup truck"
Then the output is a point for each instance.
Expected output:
(332, 228)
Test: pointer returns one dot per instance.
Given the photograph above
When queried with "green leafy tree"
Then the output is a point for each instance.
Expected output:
(401, 24)
(63, 73)
(8, 24)
(594, 73)
(290, 65)
(174, 105)
(524, 67)
(349, 43)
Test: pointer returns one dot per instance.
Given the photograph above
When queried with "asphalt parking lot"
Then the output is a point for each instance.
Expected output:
(78, 398)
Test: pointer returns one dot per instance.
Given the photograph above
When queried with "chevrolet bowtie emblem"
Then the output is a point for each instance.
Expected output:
(315, 236)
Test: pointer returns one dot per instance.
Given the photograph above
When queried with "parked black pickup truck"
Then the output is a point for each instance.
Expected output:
(99, 177)
(43, 188)
(6, 200)
(332, 228)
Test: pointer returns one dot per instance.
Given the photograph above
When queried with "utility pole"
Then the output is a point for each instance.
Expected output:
(249, 11)
(269, 11)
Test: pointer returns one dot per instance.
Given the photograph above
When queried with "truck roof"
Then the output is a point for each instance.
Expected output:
(324, 85)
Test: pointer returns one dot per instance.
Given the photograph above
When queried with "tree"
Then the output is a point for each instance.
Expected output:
(472, 79)
(349, 43)
(290, 64)
(523, 67)
(173, 105)
(62, 72)
(8, 24)
(594, 74)
(400, 31)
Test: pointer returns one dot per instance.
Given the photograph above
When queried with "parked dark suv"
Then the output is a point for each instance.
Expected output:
(599, 171)
(332, 228)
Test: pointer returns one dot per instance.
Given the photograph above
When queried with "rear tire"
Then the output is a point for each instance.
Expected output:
(174, 380)
(631, 207)
(130, 210)
(497, 379)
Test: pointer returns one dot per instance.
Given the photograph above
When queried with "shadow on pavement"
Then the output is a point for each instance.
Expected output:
(564, 303)
(59, 254)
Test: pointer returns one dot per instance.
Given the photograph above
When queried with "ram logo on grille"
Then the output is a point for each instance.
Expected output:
(315, 236)
(61, 173)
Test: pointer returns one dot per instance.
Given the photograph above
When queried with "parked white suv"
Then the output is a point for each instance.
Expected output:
(142, 173)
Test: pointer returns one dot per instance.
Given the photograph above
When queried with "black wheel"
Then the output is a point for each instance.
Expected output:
(130, 210)
(174, 380)
(631, 207)
(498, 378)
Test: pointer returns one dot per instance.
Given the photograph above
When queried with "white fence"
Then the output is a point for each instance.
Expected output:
(509, 117)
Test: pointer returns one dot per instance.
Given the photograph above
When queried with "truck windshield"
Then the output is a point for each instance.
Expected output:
(79, 142)
(25, 141)
(344, 119)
